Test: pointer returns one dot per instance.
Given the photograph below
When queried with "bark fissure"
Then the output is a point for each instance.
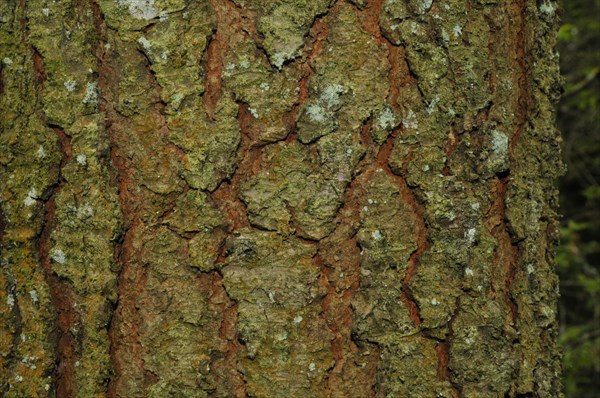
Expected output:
(68, 321)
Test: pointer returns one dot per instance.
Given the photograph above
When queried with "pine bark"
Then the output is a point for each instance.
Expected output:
(321, 198)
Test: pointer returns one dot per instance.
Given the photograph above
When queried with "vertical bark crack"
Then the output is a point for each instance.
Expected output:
(61, 294)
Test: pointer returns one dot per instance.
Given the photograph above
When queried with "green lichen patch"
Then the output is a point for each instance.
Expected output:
(180, 332)
(268, 94)
(480, 356)
(210, 145)
(387, 239)
(387, 234)
(70, 70)
(136, 15)
(350, 80)
(88, 202)
(285, 25)
(275, 282)
(195, 211)
(292, 193)
(175, 48)
(409, 368)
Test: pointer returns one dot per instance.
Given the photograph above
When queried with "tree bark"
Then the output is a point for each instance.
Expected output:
(322, 198)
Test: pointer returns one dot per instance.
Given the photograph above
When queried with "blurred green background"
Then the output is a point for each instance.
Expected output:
(579, 252)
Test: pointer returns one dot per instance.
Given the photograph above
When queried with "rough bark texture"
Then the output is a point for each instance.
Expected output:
(317, 198)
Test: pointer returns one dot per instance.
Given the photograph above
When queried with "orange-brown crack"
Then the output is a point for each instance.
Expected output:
(506, 254)
(250, 151)
(523, 99)
(61, 294)
(131, 279)
(229, 25)
(409, 198)
(233, 381)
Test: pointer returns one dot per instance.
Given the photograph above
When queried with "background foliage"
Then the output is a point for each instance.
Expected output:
(579, 253)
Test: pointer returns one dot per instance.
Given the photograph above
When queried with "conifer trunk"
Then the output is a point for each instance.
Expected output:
(245, 198)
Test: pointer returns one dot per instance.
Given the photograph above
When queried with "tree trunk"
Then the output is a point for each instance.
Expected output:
(322, 198)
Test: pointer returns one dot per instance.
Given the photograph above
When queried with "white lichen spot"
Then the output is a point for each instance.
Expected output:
(457, 30)
(19, 378)
(85, 211)
(394, 27)
(282, 336)
(387, 119)
(530, 269)
(331, 95)
(298, 319)
(34, 296)
(145, 43)
(107, 46)
(228, 68)
(278, 59)
(349, 151)
(58, 256)
(316, 113)
(445, 35)
(140, 9)
(264, 86)
(271, 297)
(29, 361)
(434, 301)
(414, 28)
(70, 85)
(81, 159)
(31, 197)
(46, 11)
(370, 201)
(475, 206)
(365, 208)
(91, 93)
(253, 112)
(312, 367)
(46, 387)
(377, 235)
(410, 121)
(426, 167)
(470, 235)
(469, 272)
(432, 105)
(163, 16)
(10, 300)
(424, 5)
(245, 64)
(41, 152)
(547, 8)
(176, 100)
(165, 55)
(480, 288)
(77, 363)
(7, 61)
(499, 143)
